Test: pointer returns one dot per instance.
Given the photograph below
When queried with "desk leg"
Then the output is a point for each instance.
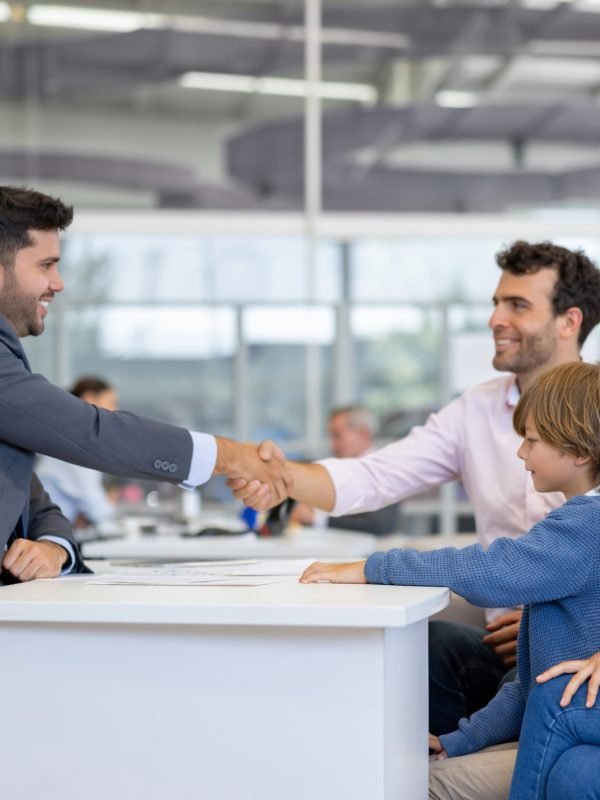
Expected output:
(406, 712)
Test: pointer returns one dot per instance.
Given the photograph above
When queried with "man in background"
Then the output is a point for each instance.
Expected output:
(352, 431)
(79, 492)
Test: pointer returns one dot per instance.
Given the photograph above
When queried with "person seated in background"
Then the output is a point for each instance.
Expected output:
(79, 491)
(552, 571)
(351, 432)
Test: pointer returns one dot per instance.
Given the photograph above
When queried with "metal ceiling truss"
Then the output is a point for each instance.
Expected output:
(77, 65)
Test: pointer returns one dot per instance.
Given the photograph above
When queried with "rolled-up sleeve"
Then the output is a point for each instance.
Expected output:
(427, 457)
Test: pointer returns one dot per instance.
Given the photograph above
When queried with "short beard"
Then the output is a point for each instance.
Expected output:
(536, 351)
(20, 311)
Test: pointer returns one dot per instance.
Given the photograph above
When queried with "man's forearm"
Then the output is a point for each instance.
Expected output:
(312, 485)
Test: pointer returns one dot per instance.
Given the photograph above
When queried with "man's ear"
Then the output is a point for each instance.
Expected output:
(571, 321)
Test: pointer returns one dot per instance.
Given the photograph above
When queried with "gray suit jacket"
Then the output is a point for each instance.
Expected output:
(37, 417)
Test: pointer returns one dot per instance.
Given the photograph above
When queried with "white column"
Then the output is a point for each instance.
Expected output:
(312, 204)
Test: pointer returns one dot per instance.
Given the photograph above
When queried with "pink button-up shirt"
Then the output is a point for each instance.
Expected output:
(471, 440)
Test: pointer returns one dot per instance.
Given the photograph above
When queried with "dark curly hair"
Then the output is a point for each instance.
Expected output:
(22, 210)
(578, 278)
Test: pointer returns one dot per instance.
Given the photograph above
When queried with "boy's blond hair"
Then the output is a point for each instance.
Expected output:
(564, 404)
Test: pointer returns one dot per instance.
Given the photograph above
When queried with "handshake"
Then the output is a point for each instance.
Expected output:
(258, 474)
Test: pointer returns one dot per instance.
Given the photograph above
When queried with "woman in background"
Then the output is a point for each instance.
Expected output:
(78, 491)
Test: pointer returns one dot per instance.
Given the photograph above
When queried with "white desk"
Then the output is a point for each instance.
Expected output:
(311, 543)
(277, 692)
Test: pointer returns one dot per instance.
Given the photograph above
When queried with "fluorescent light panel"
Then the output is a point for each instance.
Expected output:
(285, 87)
(86, 18)
(559, 47)
(450, 99)
(65, 16)
(4, 12)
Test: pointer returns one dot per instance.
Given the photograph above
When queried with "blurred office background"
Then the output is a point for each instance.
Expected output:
(283, 206)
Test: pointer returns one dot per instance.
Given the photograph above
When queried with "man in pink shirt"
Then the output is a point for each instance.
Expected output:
(546, 303)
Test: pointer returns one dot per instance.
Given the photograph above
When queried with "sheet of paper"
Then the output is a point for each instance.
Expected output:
(175, 580)
(274, 566)
(172, 567)
(195, 573)
(191, 569)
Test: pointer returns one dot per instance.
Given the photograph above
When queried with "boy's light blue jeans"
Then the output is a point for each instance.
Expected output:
(559, 748)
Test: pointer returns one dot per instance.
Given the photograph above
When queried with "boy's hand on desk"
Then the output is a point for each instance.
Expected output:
(436, 746)
(353, 572)
(26, 559)
(502, 638)
(584, 669)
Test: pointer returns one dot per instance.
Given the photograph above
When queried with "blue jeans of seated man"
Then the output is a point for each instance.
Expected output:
(559, 748)
(464, 674)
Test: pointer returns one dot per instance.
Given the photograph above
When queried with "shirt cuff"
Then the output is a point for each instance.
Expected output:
(456, 744)
(345, 481)
(70, 563)
(204, 460)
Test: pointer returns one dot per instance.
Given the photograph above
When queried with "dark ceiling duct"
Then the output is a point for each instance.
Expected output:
(87, 64)
(172, 185)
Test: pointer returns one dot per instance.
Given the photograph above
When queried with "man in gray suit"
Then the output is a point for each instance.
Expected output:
(37, 417)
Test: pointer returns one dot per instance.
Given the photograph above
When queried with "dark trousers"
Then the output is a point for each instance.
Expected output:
(464, 674)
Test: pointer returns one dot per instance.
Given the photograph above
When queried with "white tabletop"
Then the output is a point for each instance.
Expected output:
(308, 543)
(286, 603)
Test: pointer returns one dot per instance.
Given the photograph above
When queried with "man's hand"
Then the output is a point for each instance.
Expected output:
(258, 475)
(253, 493)
(584, 669)
(436, 746)
(27, 559)
(309, 483)
(353, 572)
(502, 638)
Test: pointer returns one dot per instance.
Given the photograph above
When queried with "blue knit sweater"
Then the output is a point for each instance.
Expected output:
(553, 570)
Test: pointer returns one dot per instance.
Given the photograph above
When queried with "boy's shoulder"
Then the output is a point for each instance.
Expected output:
(590, 503)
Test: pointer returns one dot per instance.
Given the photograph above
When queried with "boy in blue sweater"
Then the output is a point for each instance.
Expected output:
(552, 570)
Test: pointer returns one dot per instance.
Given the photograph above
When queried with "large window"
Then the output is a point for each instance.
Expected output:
(234, 335)
(231, 333)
